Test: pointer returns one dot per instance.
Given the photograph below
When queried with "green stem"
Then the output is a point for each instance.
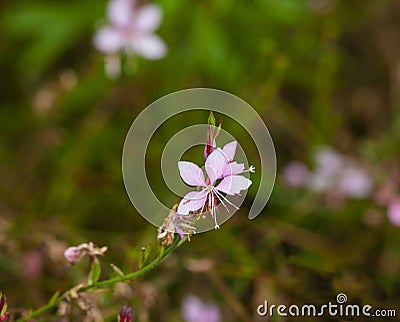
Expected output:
(106, 283)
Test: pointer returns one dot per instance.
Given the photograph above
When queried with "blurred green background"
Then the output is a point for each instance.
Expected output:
(317, 71)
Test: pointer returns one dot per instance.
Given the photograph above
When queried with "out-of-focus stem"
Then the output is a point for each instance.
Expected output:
(106, 283)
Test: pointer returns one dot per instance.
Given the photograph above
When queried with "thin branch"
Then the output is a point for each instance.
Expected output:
(105, 283)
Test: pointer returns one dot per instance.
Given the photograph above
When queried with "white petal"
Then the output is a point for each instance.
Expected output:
(120, 12)
(192, 201)
(233, 168)
(108, 40)
(355, 182)
(233, 185)
(319, 182)
(215, 165)
(192, 308)
(191, 173)
(329, 162)
(149, 46)
(148, 18)
(230, 150)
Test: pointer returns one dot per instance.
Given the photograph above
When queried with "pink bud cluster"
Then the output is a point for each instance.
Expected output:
(74, 254)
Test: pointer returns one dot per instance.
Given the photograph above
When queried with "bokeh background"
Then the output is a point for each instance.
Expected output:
(319, 72)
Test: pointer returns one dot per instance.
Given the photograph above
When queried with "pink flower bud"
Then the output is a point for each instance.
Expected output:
(211, 144)
(125, 314)
(72, 254)
(212, 133)
(3, 307)
(32, 263)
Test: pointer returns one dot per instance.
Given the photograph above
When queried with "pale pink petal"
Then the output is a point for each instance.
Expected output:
(149, 46)
(108, 40)
(215, 165)
(233, 168)
(329, 161)
(192, 201)
(120, 12)
(148, 18)
(195, 310)
(192, 308)
(191, 173)
(329, 165)
(321, 182)
(230, 150)
(355, 182)
(237, 168)
(296, 174)
(232, 185)
(393, 211)
(72, 254)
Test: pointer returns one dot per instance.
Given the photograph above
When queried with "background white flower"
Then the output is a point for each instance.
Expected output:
(333, 172)
(195, 310)
(132, 29)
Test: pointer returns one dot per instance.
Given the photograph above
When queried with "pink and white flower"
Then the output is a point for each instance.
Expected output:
(223, 178)
(74, 254)
(132, 29)
(334, 172)
(195, 310)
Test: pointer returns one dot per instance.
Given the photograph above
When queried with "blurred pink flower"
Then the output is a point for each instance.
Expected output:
(219, 165)
(334, 172)
(384, 193)
(131, 28)
(73, 254)
(329, 164)
(355, 182)
(195, 310)
(393, 211)
(328, 158)
(296, 174)
(32, 263)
